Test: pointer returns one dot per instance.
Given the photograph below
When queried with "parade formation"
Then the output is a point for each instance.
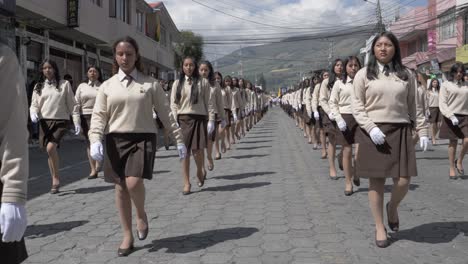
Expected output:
(366, 120)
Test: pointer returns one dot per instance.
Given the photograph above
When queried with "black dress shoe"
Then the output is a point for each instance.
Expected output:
(382, 243)
(357, 182)
(348, 193)
(202, 182)
(123, 252)
(393, 226)
(93, 176)
(144, 233)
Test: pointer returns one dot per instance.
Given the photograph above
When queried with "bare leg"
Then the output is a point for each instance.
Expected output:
(198, 156)
(92, 163)
(209, 154)
(400, 189)
(323, 140)
(219, 136)
(53, 161)
(434, 132)
(136, 188)
(376, 193)
(124, 206)
(331, 154)
(227, 139)
(348, 166)
(186, 171)
(462, 153)
(452, 150)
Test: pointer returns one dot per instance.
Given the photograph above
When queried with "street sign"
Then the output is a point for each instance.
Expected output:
(72, 13)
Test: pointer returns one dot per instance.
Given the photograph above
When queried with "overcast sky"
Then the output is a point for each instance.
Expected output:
(272, 19)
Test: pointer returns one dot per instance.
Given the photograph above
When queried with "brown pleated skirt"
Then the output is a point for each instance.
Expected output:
(212, 137)
(194, 131)
(229, 117)
(85, 125)
(322, 115)
(52, 130)
(129, 154)
(435, 115)
(13, 252)
(348, 137)
(449, 131)
(395, 158)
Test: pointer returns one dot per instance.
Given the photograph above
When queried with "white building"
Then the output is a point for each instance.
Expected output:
(76, 34)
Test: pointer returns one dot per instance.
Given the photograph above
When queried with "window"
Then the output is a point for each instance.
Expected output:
(120, 10)
(97, 2)
(140, 21)
(447, 25)
(423, 43)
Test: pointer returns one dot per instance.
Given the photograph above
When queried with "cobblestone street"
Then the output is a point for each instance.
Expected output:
(268, 200)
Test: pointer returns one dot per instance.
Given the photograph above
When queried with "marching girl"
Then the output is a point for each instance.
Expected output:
(219, 141)
(123, 115)
(435, 117)
(453, 103)
(236, 109)
(226, 91)
(384, 106)
(52, 104)
(328, 118)
(421, 102)
(206, 71)
(253, 104)
(306, 120)
(340, 106)
(243, 104)
(193, 109)
(313, 124)
(319, 114)
(85, 97)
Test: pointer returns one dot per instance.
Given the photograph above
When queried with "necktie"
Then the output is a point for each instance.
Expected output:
(129, 79)
(50, 82)
(190, 80)
(386, 70)
(92, 84)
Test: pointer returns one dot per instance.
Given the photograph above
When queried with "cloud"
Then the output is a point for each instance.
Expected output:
(269, 20)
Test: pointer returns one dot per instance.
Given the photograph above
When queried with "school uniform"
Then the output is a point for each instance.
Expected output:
(453, 102)
(308, 113)
(433, 104)
(324, 97)
(216, 98)
(85, 97)
(315, 103)
(193, 118)
(389, 104)
(340, 106)
(236, 101)
(54, 104)
(14, 154)
(123, 115)
(227, 103)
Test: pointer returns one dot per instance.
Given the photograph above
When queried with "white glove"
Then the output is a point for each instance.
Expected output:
(211, 127)
(155, 116)
(316, 116)
(235, 117)
(182, 151)
(97, 151)
(377, 136)
(34, 117)
(223, 123)
(331, 117)
(423, 143)
(77, 130)
(342, 125)
(13, 221)
(454, 120)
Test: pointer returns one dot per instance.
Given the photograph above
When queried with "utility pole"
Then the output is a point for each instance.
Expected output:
(380, 24)
(241, 72)
(331, 48)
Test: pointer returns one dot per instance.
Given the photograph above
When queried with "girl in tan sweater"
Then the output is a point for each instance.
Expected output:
(453, 103)
(435, 117)
(85, 97)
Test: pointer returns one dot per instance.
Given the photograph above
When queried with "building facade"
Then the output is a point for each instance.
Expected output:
(76, 34)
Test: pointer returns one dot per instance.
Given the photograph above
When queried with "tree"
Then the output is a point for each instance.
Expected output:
(262, 81)
(191, 45)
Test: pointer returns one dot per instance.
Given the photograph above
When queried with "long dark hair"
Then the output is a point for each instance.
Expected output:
(193, 88)
(225, 79)
(454, 69)
(345, 64)
(317, 77)
(438, 85)
(100, 79)
(237, 82)
(398, 67)
(211, 76)
(333, 77)
(42, 78)
(242, 88)
(217, 73)
(131, 41)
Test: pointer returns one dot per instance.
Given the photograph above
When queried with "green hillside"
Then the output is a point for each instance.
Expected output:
(283, 62)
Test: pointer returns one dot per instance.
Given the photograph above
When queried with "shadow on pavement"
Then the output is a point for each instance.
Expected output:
(388, 188)
(86, 190)
(259, 137)
(235, 187)
(243, 175)
(433, 233)
(258, 141)
(37, 231)
(166, 157)
(198, 241)
(250, 148)
(248, 156)
(432, 158)
(161, 171)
